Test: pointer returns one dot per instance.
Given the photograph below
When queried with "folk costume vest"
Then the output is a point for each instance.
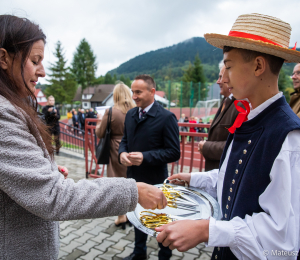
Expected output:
(256, 144)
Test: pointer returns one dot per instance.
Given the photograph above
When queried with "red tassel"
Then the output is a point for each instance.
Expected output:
(295, 46)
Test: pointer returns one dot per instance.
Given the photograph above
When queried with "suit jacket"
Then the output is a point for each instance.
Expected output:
(295, 102)
(81, 118)
(218, 133)
(156, 135)
(75, 120)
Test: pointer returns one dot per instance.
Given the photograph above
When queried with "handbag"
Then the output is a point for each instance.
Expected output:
(103, 147)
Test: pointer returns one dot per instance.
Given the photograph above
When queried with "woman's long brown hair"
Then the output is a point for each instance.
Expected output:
(17, 35)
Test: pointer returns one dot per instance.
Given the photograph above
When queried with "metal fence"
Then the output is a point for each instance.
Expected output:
(72, 138)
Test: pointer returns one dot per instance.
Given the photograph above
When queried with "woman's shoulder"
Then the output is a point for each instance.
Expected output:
(7, 107)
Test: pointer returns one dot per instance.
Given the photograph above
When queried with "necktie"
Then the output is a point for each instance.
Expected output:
(242, 116)
(223, 105)
(142, 112)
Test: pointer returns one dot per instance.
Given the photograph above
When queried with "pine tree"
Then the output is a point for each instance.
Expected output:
(84, 65)
(62, 84)
(198, 77)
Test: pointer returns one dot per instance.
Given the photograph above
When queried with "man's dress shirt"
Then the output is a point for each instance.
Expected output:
(277, 228)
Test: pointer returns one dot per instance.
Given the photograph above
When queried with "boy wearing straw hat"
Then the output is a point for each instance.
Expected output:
(258, 182)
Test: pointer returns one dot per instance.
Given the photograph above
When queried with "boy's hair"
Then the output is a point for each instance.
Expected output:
(274, 62)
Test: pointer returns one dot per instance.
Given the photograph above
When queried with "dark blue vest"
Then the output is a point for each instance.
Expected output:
(256, 145)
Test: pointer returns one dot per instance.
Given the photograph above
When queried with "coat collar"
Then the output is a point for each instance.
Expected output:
(228, 103)
(152, 112)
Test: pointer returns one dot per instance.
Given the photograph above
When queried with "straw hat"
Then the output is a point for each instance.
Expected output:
(260, 33)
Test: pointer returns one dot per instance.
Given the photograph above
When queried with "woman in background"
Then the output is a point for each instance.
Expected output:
(122, 103)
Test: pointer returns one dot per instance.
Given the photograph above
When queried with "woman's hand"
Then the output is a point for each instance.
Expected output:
(151, 197)
(63, 170)
(182, 178)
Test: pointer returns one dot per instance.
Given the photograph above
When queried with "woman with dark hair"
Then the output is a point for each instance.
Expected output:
(34, 195)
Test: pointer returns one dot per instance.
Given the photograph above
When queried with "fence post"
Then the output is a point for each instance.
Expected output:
(191, 97)
(180, 98)
(169, 94)
(199, 89)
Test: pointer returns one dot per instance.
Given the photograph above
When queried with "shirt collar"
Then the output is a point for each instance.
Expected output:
(254, 112)
(230, 96)
(146, 109)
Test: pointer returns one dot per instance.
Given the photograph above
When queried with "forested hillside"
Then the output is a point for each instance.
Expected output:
(169, 62)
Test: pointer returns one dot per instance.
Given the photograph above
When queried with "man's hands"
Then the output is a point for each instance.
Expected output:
(151, 197)
(51, 109)
(200, 146)
(129, 159)
(124, 159)
(136, 158)
(63, 170)
(185, 177)
(183, 234)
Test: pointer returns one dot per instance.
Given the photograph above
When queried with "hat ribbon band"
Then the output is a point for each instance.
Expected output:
(252, 37)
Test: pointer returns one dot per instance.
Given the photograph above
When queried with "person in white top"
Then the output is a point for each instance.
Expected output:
(258, 183)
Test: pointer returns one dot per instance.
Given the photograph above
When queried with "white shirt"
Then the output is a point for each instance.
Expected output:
(276, 230)
(146, 109)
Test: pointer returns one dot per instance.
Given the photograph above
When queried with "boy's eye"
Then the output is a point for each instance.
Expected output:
(227, 68)
(35, 63)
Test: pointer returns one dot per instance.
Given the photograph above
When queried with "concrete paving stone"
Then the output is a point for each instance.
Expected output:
(173, 257)
(126, 230)
(152, 257)
(81, 230)
(70, 247)
(92, 254)
(117, 258)
(104, 245)
(95, 222)
(112, 228)
(125, 253)
(67, 239)
(62, 254)
(100, 237)
(109, 254)
(67, 231)
(95, 230)
(131, 244)
(116, 236)
(203, 257)
(150, 250)
(121, 244)
(194, 251)
(130, 236)
(79, 223)
(188, 256)
(152, 242)
(64, 224)
(75, 254)
(83, 239)
(175, 252)
(87, 246)
(107, 223)
(208, 249)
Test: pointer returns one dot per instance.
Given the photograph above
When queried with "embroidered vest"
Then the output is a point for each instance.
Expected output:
(256, 145)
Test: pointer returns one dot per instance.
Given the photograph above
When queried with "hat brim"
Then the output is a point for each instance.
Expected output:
(219, 41)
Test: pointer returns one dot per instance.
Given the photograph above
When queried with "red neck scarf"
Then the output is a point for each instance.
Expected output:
(242, 116)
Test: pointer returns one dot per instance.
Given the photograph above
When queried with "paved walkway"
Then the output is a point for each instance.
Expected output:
(99, 238)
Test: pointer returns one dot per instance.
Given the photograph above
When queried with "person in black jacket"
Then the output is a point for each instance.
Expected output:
(52, 116)
(150, 141)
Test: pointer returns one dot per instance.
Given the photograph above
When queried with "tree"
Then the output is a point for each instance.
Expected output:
(84, 65)
(192, 76)
(62, 83)
(285, 85)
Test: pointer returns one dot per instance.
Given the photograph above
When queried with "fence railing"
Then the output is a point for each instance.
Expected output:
(72, 138)
(189, 154)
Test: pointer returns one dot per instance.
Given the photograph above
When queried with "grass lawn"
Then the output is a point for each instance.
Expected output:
(63, 117)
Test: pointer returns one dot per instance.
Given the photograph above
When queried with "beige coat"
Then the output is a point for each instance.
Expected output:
(295, 102)
(114, 168)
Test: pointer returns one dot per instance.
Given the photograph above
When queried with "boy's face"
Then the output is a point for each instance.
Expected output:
(239, 74)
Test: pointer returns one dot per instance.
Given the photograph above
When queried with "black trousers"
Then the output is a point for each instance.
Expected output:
(140, 247)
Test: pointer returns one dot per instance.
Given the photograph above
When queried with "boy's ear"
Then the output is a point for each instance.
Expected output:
(260, 65)
(4, 59)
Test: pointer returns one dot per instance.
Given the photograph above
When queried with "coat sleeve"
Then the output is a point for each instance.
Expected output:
(171, 150)
(212, 150)
(101, 125)
(29, 178)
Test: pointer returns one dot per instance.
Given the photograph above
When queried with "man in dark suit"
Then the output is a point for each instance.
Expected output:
(150, 141)
(82, 119)
(212, 149)
(75, 122)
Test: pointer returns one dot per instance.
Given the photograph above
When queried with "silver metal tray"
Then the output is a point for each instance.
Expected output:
(207, 207)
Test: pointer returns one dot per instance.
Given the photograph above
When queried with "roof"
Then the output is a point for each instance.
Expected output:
(99, 92)
(160, 93)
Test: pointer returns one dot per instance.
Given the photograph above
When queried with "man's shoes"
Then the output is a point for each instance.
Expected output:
(134, 256)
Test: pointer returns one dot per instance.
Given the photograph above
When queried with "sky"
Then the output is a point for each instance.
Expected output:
(119, 30)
